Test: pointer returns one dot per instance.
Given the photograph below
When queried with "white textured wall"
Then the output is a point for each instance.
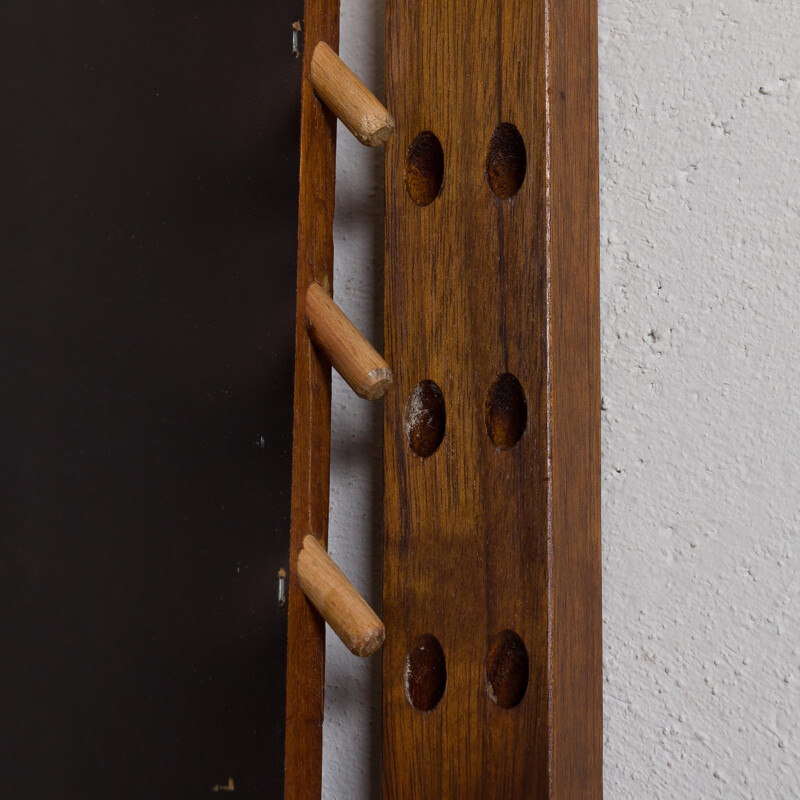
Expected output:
(700, 193)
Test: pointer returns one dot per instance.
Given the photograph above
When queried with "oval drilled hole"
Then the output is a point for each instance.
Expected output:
(425, 418)
(424, 168)
(506, 411)
(425, 673)
(507, 160)
(507, 669)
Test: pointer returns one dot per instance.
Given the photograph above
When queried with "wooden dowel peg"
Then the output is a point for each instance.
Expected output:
(338, 87)
(353, 357)
(337, 600)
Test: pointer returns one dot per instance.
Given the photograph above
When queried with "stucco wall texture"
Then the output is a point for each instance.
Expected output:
(700, 219)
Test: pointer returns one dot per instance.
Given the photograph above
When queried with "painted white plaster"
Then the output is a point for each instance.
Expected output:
(700, 202)
(700, 206)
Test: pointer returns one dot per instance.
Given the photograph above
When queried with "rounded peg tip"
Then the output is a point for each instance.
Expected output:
(347, 97)
(337, 600)
(353, 357)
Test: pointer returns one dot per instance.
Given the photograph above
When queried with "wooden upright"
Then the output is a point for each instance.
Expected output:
(305, 684)
(492, 603)
(492, 669)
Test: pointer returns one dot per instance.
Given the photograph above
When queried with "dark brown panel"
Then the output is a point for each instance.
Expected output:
(148, 213)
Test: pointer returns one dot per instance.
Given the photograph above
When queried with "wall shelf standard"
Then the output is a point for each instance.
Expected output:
(492, 667)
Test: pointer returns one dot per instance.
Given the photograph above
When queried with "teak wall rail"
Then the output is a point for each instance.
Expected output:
(311, 448)
(492, 599)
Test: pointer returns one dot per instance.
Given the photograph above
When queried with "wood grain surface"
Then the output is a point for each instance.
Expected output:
(576, 592)
(491, 543)
(305, 684)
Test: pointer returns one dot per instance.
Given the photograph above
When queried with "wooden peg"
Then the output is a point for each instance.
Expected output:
(353, 357)
(355, 105)
(337, 600)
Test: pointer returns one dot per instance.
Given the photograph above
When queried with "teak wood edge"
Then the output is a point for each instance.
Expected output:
(312, 420)
(576, 665)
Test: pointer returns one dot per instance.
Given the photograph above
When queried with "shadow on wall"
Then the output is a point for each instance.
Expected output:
(351, 732)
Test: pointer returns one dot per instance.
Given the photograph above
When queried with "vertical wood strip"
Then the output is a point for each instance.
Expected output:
(576, 594)
(465, 529)
(305, 683)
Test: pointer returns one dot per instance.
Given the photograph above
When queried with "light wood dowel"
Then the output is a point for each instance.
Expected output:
(353, 357)
(337, 600)
(338, 87)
